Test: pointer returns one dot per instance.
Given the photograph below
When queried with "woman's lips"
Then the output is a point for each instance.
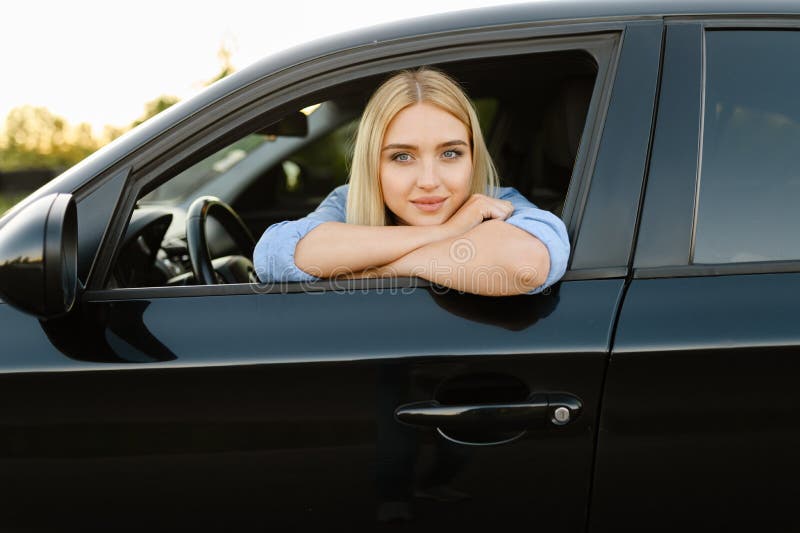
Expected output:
(429, 203)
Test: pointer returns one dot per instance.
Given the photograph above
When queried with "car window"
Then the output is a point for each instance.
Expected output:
(749, 183)
(184, 184)
(282, 171)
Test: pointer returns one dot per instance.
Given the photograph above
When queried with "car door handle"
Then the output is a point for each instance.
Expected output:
(539, 410)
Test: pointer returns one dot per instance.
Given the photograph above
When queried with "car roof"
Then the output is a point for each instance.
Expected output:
(545, 12)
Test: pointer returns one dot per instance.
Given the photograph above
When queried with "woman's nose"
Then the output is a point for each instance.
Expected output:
(427, 177)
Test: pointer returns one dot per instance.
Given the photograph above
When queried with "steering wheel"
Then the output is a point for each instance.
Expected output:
(229, 269)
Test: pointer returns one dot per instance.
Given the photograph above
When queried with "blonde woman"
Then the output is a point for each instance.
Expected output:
(422, 200)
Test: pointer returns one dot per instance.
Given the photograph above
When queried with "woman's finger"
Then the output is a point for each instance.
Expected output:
(504, 208)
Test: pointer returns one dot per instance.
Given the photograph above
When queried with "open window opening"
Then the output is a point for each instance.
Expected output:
(532, 109)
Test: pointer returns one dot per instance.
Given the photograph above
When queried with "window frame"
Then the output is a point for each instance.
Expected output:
(286, 89)
(666, 250)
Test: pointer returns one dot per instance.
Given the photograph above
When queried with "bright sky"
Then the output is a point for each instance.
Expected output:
(99, 62)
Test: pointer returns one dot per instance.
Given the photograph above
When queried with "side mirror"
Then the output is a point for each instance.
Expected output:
(39, 257)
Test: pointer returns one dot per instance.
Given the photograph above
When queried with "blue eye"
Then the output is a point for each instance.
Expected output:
(402, 157)
(451, 154)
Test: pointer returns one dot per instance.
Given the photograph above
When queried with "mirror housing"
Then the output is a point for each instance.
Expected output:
(39, 257)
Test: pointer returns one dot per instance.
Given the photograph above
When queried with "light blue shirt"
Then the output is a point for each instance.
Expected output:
(273, 257)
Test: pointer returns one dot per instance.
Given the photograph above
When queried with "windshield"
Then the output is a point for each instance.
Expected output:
(184, 184)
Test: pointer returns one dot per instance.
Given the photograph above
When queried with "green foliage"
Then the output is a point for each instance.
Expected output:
(8, 201)
(34, 137)
(154, 107)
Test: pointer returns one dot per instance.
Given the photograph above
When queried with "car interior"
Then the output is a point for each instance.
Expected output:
(532, 110)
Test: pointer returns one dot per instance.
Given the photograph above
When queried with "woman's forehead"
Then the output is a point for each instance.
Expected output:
(423, 123)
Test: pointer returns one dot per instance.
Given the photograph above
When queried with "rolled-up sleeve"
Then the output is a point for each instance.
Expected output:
(273, 257)
(546, 227)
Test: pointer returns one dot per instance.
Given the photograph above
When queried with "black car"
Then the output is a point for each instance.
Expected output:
(147, 380)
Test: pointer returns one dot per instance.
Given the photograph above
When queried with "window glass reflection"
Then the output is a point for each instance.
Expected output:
(750, 170)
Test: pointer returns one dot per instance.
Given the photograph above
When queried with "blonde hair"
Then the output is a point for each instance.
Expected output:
(365, 203)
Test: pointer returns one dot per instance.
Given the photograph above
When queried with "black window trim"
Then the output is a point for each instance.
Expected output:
(595, 38)
(718, 269)
(390, 285)
(609, 214)
(741, 22)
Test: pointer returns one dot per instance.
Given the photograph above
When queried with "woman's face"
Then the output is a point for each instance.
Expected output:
(425, 165)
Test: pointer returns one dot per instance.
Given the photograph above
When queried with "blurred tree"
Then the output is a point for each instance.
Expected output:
(154, 107)
(110, 133)
(224, 54)
(34, 137)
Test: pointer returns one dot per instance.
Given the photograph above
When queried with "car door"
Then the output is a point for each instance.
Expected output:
(699, 427)
(317, 405)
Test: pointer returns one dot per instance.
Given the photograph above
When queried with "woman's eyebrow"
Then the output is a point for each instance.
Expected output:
(399, 146)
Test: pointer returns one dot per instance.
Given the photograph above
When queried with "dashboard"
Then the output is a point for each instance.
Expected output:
(148, 257)
(155, 253)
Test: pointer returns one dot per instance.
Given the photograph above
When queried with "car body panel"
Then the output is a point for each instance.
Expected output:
(292, 396)
(699, 427)
(699, 415)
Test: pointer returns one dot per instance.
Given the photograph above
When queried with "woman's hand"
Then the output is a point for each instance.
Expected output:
(475, 210)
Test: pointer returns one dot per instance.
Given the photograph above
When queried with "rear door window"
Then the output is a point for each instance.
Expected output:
(749, 185)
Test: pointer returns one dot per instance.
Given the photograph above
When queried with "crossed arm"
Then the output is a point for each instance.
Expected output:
(493, 258)
(490, 246)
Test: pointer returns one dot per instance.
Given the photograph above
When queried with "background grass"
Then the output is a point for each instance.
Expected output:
(8, 200)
